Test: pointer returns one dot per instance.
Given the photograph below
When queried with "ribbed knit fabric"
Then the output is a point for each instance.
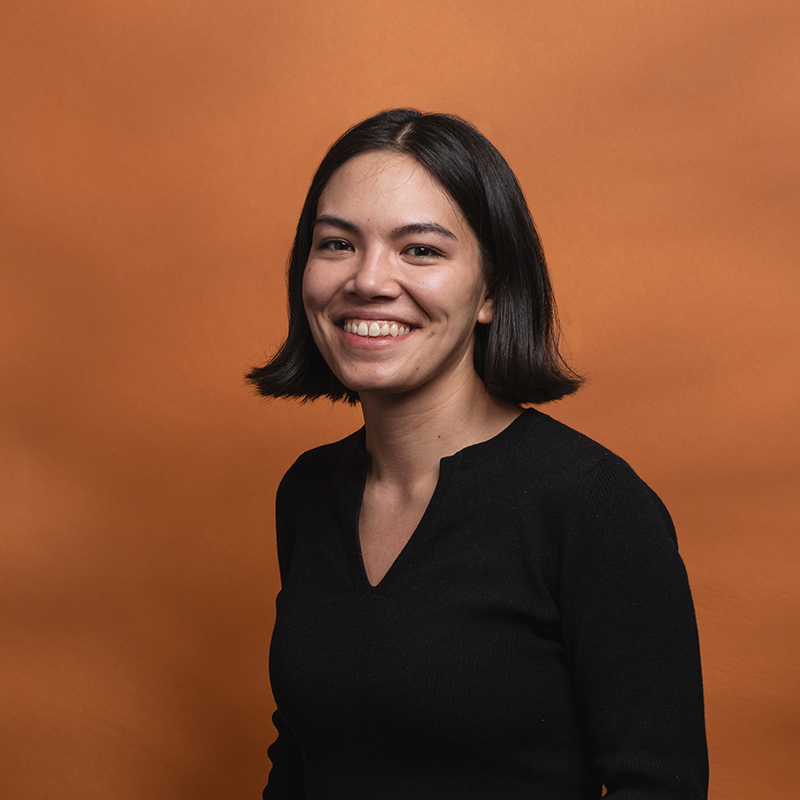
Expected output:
(535, 639)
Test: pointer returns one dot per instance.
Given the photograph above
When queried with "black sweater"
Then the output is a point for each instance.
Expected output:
(535, 638)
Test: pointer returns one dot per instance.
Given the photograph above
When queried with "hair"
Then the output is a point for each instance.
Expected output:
(517, 354)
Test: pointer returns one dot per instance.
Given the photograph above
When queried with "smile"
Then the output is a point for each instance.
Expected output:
(374, 329)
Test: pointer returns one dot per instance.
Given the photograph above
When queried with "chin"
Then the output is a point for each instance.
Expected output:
(374, 387)
(370, 381)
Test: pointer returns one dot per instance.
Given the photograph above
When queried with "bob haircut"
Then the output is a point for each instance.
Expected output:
(516, 355)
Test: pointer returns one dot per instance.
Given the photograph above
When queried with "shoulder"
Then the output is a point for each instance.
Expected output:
(543, 449)
(584, 480)
(327, 457)
(558, 443)
(303, 490)
(569, 452)
(323, 464)
(608, 509)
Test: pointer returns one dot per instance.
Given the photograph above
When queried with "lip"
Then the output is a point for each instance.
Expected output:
(370, 316)
(371, 342)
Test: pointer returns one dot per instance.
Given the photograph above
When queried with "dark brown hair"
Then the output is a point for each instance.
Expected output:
(516, 355)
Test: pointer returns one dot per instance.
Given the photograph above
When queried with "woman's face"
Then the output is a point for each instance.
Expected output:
(393, 285)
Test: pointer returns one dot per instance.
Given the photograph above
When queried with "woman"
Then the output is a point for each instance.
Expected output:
(477, 601)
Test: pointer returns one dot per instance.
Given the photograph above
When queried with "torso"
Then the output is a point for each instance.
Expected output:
(529, 596)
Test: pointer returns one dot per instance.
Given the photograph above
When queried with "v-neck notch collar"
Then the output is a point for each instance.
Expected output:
(424, 534)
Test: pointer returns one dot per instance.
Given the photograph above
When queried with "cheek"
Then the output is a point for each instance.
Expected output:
(315, 293)
(436, 292)
(464, 300)
(316, 296)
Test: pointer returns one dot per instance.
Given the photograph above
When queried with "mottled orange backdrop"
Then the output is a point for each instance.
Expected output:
(154, 155)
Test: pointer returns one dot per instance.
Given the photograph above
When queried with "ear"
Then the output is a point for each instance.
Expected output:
(486, 311)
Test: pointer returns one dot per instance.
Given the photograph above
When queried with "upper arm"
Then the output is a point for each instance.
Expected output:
(285, 523)
(631, 639)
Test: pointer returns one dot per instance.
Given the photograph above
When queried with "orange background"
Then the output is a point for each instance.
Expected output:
(154, 155)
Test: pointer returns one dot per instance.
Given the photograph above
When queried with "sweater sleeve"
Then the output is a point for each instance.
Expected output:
(631, 640)
(287, 776)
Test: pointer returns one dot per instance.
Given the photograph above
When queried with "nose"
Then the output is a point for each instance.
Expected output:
(374, 276)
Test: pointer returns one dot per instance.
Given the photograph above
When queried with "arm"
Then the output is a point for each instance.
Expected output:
(287, 776)
(631, 639)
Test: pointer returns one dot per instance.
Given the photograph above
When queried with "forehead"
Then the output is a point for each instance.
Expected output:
(390, 186)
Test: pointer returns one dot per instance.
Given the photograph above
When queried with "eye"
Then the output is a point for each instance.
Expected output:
(334, 244)
(423, 251)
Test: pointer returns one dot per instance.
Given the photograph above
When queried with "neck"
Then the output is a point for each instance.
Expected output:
(407, 435)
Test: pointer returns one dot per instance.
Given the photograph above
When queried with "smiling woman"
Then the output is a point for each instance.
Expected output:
(476, 601)
(393, 287)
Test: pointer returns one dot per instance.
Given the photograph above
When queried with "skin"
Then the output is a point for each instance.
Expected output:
(391, 247)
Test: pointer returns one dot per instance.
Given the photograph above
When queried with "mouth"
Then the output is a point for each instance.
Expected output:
(374, 329)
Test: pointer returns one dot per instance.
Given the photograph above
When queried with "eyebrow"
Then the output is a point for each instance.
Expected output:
(397, 233)
(336, 222)
(422, 227)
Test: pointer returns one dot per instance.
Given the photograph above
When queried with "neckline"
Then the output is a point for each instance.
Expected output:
(472, 453)
(420, 538)
(482, 451)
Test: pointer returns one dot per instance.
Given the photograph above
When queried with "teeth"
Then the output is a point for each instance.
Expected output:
(375, 329)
